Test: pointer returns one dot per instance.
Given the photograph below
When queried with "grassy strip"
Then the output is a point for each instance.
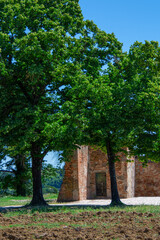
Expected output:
(15, 201)
(49, 225)
(75, 210)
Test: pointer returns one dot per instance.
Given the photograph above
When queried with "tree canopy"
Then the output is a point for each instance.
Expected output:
(37, 42)
(144, 70)
(120, 107)
(46, 47)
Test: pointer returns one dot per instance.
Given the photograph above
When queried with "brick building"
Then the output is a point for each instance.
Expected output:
(87, 177)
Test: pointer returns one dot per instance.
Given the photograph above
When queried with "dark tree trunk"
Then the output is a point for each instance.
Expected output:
(37, 198)
(114, 190)
(20, 175)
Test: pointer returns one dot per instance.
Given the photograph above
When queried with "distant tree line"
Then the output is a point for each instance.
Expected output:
(20, 184)
(65, 83)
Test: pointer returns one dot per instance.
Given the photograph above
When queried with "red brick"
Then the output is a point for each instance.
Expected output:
(79, 182)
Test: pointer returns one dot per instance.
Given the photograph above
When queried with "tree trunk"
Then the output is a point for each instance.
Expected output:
(37, 198)
(114, 190)
(20, 175)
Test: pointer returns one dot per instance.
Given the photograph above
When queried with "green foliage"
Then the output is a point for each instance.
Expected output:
(101, 102)
(143, 71)
(43, 56)
(36, 39)
(18, 175)
(39, 63)
(51, 178)
(121, 105)
(6, 184)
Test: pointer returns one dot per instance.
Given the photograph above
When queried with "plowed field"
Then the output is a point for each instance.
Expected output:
(83, 225)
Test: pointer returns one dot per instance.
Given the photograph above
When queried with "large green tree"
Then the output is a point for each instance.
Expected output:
(97, 103)
(37, 42)
(45, 48)
(119, 105)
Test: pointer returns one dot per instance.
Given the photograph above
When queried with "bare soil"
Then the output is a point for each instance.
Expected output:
(84, 225)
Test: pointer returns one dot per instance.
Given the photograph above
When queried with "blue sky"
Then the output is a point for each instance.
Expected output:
(130, 21)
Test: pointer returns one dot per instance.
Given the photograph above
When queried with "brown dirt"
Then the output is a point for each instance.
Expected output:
(85, 225)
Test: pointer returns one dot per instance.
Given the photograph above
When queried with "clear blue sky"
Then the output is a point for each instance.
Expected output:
(130, 21)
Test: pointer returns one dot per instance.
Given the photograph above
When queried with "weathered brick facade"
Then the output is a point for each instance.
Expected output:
(87, 177)
(147, 179)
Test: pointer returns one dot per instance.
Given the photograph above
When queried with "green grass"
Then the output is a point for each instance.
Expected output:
(75, 210)
(49, 225)
(15, 201)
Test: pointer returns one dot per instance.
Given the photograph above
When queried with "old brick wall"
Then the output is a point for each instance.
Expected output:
(74, 186)
(98, 163)
(133, 180)
(69, 188)
(147, 179)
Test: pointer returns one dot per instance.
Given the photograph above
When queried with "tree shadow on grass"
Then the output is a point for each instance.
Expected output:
(54, 208)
